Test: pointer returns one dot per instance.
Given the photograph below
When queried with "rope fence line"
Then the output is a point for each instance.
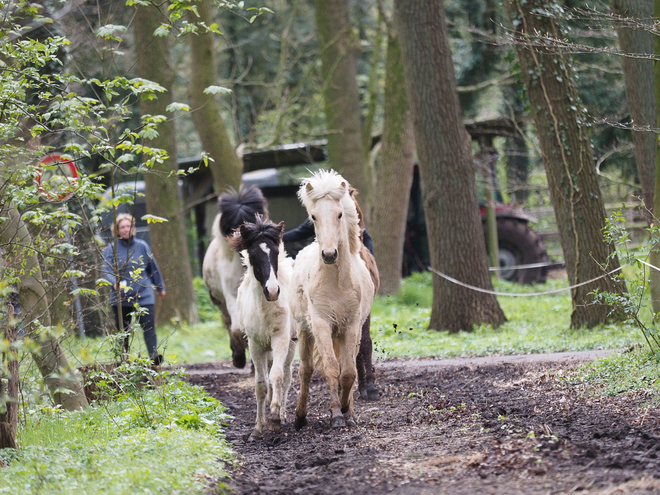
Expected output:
(531, 294)
(526, 267)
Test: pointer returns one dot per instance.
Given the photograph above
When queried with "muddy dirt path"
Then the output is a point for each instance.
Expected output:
(498, 425)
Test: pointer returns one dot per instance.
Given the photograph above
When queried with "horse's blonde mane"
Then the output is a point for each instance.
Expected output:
(329, 184)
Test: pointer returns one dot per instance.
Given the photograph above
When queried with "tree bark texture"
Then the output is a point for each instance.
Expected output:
(456, 239)
(568, 159)
(638, 77)
(58, 375)
(339, 49)
(654, 258)
(394, 173)
(168, 239)
(226, 167)
(9, 392)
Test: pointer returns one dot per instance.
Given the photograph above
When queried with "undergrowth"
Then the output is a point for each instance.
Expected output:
(166, 439)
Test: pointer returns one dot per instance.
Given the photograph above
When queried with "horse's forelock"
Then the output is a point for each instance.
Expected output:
(261, 231)
(322, 184)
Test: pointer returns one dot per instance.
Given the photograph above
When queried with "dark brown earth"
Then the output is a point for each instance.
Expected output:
(463, 427)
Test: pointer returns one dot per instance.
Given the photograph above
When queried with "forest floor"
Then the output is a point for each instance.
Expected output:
(508, 425)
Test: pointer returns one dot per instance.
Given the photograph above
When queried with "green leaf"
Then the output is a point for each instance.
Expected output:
(154, 219)
(214, 90)
(175, 107)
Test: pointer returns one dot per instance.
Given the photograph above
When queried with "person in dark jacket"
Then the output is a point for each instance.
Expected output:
(304, 233)
(133, 272)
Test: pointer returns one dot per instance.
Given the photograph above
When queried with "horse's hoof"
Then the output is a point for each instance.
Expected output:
(255, 435)
(300, 422)
(276, 424)
(364, 394)
(338, 422)
(372, 392)
(239, 360)
(350, 422)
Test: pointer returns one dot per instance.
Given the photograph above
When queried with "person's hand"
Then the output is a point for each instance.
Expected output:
(161, 294)
(114, 286)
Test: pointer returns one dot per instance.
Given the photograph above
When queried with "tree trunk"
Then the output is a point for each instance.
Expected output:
(394, 173)
(9, 392)
(654, 257)
(167, 239)
(226, 167)
(339, 48)
(568, 159)
(50, 358)
(638, 77)
(456, 239)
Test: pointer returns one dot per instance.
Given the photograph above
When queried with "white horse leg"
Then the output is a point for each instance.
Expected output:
(280, 347)
(349, 345)
(306, 342)
(324, 344)
(286, 385)
(260, 359)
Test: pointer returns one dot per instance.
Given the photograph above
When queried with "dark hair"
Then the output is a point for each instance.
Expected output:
(239, 207)
(249, 233)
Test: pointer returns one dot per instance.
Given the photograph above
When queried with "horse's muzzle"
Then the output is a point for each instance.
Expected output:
(271, 297)
(330, 259)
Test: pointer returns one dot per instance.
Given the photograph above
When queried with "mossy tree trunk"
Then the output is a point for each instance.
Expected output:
(568, 158)
(226, 166)
(339, 48)
(9, 386)
(640, 95)
(168, 239)
(58, 375)
(394, 173)
(655, 253)
(456, 240)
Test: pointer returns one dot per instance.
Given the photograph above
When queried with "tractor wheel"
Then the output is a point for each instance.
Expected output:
(520, 245)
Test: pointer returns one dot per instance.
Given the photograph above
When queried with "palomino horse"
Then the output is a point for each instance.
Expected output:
(331, 294)
(264, 315)
(222, 269)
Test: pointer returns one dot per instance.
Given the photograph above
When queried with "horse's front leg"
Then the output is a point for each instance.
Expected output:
(324, 344)
(260, 359)
(306, 349)
(348, 350)
(291, 353)
(280, 352)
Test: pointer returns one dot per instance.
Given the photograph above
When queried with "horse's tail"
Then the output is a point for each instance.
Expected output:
(239, 207)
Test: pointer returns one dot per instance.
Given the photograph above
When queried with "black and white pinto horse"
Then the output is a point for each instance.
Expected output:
(222, 268)
(265, 317)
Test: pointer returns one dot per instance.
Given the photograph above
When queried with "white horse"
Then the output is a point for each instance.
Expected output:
(265, 317)
(222, 268)
(331, 294)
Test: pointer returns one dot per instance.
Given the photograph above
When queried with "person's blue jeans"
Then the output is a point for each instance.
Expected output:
(148, 323)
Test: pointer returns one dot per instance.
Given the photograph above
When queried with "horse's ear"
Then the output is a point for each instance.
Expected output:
(280, 227)
(245, 232)
(344, 186)
(309, 187)
(235, 241)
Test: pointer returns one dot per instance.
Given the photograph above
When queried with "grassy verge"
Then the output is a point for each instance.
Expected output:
(536, 324)
(399, 329)
(166, 440)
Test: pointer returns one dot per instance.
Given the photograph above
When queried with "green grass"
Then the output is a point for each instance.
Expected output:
(536, 324)
(106, 449)
(635, 370)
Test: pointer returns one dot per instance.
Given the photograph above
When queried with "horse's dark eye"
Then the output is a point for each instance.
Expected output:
(313, 218)
(340, 215)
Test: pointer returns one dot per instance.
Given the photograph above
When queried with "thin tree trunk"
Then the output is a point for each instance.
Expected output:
(168, 239)
(638, 77)
(568, 159)
(339, 48)
(226, 167)
(9, 392)
(50, 359)
(456, 240)
(394, 173)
